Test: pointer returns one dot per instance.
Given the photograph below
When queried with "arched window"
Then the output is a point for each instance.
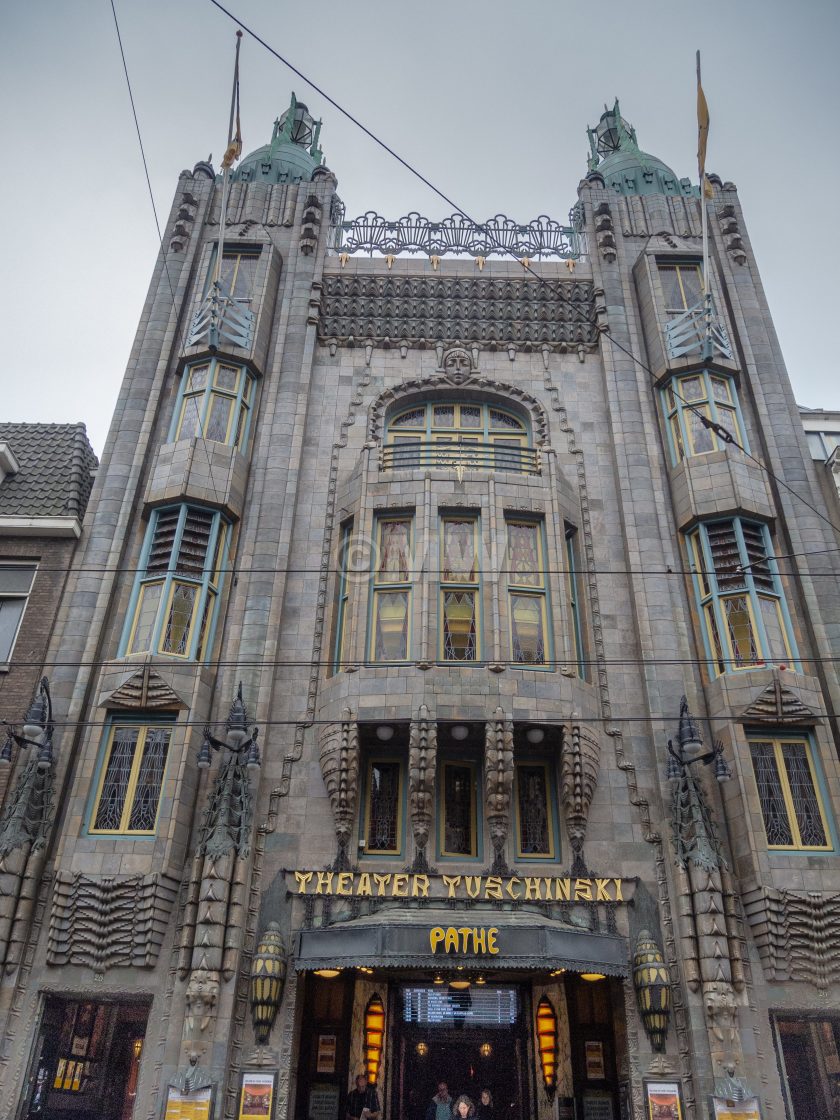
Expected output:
(465, 434)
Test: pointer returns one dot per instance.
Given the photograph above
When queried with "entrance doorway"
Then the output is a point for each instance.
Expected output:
(472, 1039)
(809, 1052)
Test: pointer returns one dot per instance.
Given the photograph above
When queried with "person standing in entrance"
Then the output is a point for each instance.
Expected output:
(484, 1109)
(464, 1108)
(363, 1101)
(440, 1106)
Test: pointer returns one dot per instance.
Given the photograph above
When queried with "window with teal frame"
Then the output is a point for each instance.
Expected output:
(573, 584)
(530, 627)
(176, 594)
(129, 784)
(460, 589)
(214, 402)
(790, 791)
(458, 810)
(535, 810)
(744, 617)
(383, 825)
(342, 598)
(390, 608)
(690, 397)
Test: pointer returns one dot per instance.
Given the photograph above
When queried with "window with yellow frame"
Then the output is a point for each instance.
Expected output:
(682, 286)
(527, 593)
(535, 811)
(175, 597)
(471, 434)
(383, 820)
(128, 793)
(744, 616)
(214, 403)
(789, 791)
(458, 809)
(689, 398)
(390, 618)
(460, 590)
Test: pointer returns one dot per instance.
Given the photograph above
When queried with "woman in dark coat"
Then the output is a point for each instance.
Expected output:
(484, 1109)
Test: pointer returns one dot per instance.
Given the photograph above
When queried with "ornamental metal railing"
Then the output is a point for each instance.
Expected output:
(685, 334)
(220, 318)
(460, 456)
(499, 236)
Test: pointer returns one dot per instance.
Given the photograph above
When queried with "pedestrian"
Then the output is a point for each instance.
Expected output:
(440, 1106)
(464, 1108)
(363, 1101)
(484, 1109)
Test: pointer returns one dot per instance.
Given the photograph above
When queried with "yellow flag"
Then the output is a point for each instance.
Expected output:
(234, 148)
(702, 133)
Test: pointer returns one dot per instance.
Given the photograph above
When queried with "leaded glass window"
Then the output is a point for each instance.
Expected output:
(688, 397)
(131, 779)
(459, 589)
(458, 828)
(740, 596)
(215, 403)
(789, 793)
(461, 435)
(391, 606)
(682, 287)
(238, 272)
(534, 811)
(383, 834)
(526, 593)
(177, 591)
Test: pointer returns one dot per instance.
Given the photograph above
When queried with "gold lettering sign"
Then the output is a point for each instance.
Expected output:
(464, 939)
(487, 888)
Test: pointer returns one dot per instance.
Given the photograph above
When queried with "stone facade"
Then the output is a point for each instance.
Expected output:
(162, 924)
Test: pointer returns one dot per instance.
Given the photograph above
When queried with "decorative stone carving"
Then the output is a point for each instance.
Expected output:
(201, 996)
(422, 766)
(778, 705)
(24, 828)
(145, 690)
(310, 225)
(580, 763)
(498, 783)
(214, 916)
(424, 310)
(268, 974)
(339, 753)
(797, 935)
(109, 922)
(457, 365)
(604, 232)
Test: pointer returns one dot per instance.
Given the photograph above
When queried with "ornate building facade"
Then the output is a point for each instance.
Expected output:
(445, 689)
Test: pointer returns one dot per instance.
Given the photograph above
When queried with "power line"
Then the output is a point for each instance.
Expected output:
(719, 429)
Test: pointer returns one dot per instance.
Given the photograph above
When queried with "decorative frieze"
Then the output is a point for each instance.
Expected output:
(797, 934)
(422, 766)
(422, 310)
(778, 706)
(498, 784)
(339, 753)
(109, 922)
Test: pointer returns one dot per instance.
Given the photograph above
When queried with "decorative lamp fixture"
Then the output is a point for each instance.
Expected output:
(363, 968)
(374, 1036)
(547, 1045)
(438, 979)
(37, 729)
(480, 980)
(485, 1049)
(689, 749)
(421, 1049)
(327, 973)
(384, 733)
(653, 989)
(459, 985)
(557, 972)
(459, 732)
(592, 976)
(268, 974)
(238, 741)
(535, 735)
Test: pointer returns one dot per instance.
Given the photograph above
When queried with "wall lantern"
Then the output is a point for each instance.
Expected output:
(459, 732)
(239, 741)
(653, 989)
(37, 730)
(535, 735)
(374, 1036)
(268, 972)
(547, 1045)
(327, 973)
(422, 1049)
(384, 733)
(485, 1049)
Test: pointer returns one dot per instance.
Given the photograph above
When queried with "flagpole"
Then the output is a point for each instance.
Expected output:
(229, 156)
(702, 134)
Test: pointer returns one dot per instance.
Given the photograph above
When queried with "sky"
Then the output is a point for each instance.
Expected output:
(488, 99)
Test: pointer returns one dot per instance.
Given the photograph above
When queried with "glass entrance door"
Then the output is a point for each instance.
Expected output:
(471, 1039)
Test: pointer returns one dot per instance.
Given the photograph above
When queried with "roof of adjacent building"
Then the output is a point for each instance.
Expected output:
(54, 478)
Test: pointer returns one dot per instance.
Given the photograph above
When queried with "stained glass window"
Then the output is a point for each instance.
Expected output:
(534, 811)
(177, 591)
(788, 792)
(527, 593)
(214, 403)
(739, 595)
(459, 589)
(391, 608)
(384, 795)
(132, 779)
(459, 435)
(458, 824)
(687, 399)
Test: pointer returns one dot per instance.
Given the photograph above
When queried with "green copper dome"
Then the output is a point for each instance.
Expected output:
(617, 159)
(293, 154)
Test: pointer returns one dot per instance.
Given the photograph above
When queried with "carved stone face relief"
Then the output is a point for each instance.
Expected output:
(457, 365)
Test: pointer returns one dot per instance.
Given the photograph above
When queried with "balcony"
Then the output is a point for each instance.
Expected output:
(460, 456)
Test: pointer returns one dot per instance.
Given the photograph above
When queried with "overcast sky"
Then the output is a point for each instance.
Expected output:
(489, 99)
